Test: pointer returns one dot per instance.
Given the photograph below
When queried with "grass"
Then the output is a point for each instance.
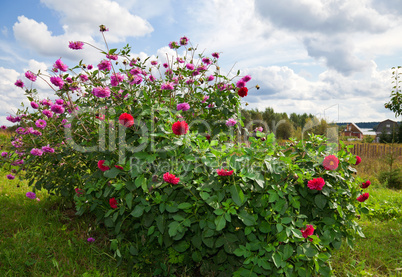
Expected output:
(38, 238)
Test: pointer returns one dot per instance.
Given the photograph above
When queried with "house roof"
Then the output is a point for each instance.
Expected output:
(354, 125)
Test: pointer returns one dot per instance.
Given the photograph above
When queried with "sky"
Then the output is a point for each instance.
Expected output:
(329, 58)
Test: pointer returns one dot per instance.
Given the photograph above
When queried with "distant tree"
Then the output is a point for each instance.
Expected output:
(284, 129)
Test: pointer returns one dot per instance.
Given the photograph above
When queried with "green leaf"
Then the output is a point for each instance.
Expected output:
(139, 181)
(173, 228)
(138, 211)
(320, 200)
(197, 257)
(273, 196)
(151, 230)
(184, 206)
(247, 218)
(277, 259)
(287, 252)
(129, 200)
(286, 220)
(181, 246)
(220, 222)
(310, 251)
(111, 173)
(160, 223)
(237, 195)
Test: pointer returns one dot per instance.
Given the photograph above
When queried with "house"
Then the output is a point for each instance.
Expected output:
(387, 127)
(353, 131)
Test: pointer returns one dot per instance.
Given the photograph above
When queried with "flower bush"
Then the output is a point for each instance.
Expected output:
(162, 158)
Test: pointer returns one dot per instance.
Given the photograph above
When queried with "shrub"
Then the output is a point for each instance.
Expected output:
(162, 164)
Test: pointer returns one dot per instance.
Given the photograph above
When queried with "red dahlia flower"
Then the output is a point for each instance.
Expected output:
(180, 128)
(365, 184)
(242, 92)
(363, 197)
(224, 172)
(126, 120)
(119, 167)
(113, 203)
(101, 166)
(316, 183)
(358, 160)
(308, 231)
(330, 162)
(171, 178)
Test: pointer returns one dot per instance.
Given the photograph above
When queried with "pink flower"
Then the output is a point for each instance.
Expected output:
(30, 195)
(215, 55)
(173, 45)
(190, 66)
(207, 61)
(19, 83)
(79, 191)
(330, 162)
(171, 178)
(240, 84)
(231, 122)
(40, 123)
(183, 106)
(30, 75)
(167, 86)
(101, 92)
(184, 40)
(57, 81)
(3, 127)
(119, 167)
(101, 166)
(4, 154)
(90, 66)
(165, 65)
(136, 80)
(36, 152)
(76, 45)
(59, 101)
(105, 65)
(363, 197)
(57, 109)
(316, 184)
(48, 113)
(60, 65)
(246, 78)
(259, 129)
(115, 79)
(126, 120)
(47, 149)
(34, 105)
(206, 97)
(83, 78)
(91, 240)
(224, 172)
(365, 184)
(154, 62)
(210, 78)
(112, 57)
(308, 231)
(10, 177)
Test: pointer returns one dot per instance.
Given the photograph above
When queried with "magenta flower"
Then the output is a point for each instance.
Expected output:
(207, 61)
(316, 184)
(10, 177)
(173, 45)
(136, 80)
(231, 122)
(36, 152)
(40, 123)
(30, 75)
(246, 78)
(91, 240)
(112, 57)
(105, 65)
(3, 127)
(202, 68)
(167, 86)
(215, 55)
(206, 97)
(4, 154)
(224, 172)
(60, 66)
(154, 62)
(309, 231)
(90, 66)
(115, 79)
(183, 107)
(36, 133)
(184, 40)
(34, 105)
(47, 149)
(165, 65)
(83, 78)
(151, 78)
(259, 129)
(190, 81)
(46, 102)
(210, 78)
(190, 66)
(171, 178)
(31, 195)
(240, 84)
(101, 92)
(57, 109)
(76, 45)
(57, 81)
(48, 113)
(20, 130)
(59, 101)
(19, 83)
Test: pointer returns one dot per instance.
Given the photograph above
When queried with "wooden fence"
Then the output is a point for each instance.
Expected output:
(374, 150)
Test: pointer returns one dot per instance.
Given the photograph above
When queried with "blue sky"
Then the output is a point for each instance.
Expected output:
(313, 56)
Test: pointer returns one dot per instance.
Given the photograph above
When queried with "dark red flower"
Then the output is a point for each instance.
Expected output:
(363, 197)
(180, 128)
(119, 167)
(224, 172)
(101, 166)
(79, 191)
(308, 231)
(113, 203)
(316, 183)
(126, 120)
(330, 162)
(242, 92)
(171, 178)
(365, 184)
(208, 137)
(358, 160)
